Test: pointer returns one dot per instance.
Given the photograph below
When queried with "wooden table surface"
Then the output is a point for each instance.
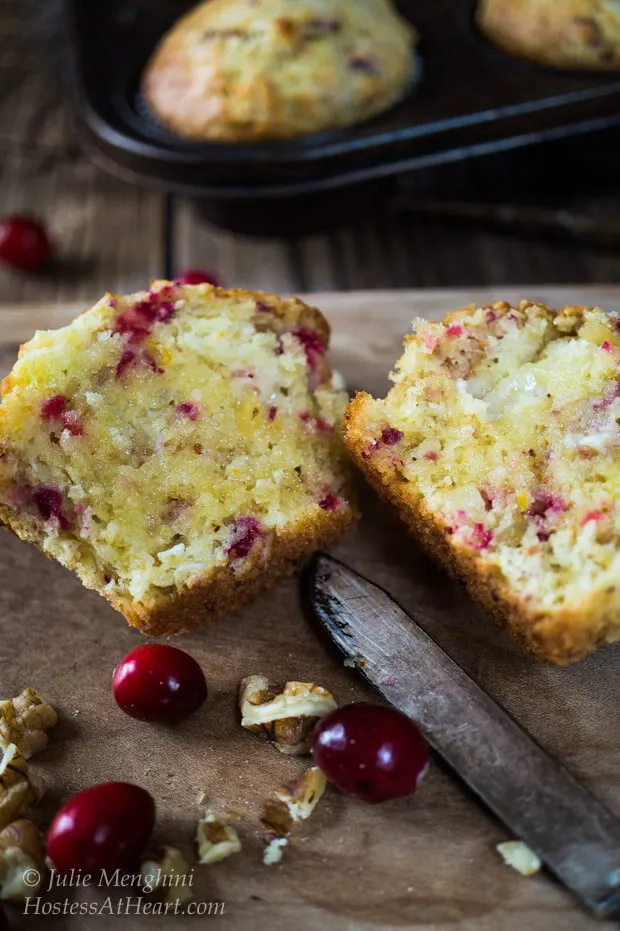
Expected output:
(111, 235)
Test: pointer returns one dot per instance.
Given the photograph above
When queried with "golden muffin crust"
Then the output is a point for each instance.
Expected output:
(499, 446)
(178, 448)
(560, 33)
(250, 70)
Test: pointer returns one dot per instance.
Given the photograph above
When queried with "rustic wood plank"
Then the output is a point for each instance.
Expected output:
(389, 250)
(238, 261)
(425, 863)
(107, 234)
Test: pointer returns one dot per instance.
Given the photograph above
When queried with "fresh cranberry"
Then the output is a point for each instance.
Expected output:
(595, 515)
(24, 244)
(188, 409)
(245, 534)
(197, 276)
(130, 358)
(481, 537)
(330, 502)
(157, 682)
(71, 423)
(105, 827)
(363, 63)
(48, 501)
(138, 320)
(53, 408)
(390, 436)
(317, 423)
(314, 347)
(372, 751)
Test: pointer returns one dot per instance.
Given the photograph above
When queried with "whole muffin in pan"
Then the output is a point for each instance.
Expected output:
(560, 33)
(251, 70)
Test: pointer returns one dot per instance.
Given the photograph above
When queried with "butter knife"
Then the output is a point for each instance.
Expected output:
(535, 796)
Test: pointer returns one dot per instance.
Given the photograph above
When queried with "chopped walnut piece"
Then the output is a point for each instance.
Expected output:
(22, 855)
(24, 721)
(519, 856)
(216, 839)
(295, 801)
(18, 787)
(302, 796)
(287, 718)
(167, 875)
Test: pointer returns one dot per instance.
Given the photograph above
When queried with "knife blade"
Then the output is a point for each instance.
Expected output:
(535, 796)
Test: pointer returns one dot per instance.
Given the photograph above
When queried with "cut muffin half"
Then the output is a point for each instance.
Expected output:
(178, 449)
(499, 446)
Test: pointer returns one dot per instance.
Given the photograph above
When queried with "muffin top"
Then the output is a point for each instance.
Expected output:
(251, 70)
(560, 33)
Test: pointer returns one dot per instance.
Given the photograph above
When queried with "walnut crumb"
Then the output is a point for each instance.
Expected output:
(18, 788)
(21, 852)
(166, 875)
(286, 718)
(216, 839)
(519, 856)
(295, 801)
(25, 720)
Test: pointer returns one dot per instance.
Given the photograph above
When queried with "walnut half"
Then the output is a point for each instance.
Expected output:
(22, 855)
(25, 720)
(216, 839)
(18, 787)
(287, 718)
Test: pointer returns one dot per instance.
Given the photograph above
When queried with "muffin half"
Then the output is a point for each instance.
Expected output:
(178, 449)
(499, 446)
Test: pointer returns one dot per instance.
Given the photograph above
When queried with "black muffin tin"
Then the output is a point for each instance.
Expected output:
(469, 99)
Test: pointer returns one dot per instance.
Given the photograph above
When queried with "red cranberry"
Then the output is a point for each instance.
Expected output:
(105, 827)
(372, 751)
(313, 345)
(197, 276)
(48, 501)
(245, 534)
(482, 537)
(330, 502)
(391, 436)
(24, 244)
(54, 407)
(188, 409)
(157, 682)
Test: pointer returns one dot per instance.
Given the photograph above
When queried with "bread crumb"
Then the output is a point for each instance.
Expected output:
(519, 856)
(273, 851)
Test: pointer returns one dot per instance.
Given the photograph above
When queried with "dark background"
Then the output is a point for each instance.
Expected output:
(445, 227)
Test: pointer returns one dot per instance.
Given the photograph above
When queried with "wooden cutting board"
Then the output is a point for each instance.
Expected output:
(425, 862)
